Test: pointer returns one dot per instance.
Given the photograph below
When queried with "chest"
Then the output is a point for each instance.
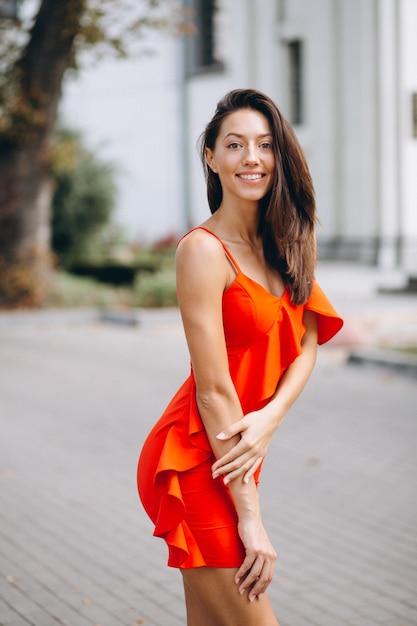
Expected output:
(252, 264)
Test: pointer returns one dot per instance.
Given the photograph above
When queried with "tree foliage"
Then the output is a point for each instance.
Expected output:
(83, 200)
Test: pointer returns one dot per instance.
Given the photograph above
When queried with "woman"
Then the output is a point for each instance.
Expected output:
(252, 315)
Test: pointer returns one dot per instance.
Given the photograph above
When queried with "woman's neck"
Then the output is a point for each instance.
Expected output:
(236, 225)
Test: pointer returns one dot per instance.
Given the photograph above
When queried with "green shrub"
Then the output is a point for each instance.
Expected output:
(154, 258)
(155, 290)
(111, 273)
(84, 198)
(72, 291)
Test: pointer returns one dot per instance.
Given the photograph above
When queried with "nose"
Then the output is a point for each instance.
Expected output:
(251, 155)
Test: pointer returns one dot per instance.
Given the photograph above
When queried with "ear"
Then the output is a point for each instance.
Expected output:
(210, 160)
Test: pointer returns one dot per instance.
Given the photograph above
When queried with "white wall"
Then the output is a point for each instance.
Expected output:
(129, 112)
(319, 134)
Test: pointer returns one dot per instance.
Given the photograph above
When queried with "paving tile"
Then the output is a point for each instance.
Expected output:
(76, 548)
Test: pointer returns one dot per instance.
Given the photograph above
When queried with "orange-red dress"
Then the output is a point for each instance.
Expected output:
(192, 512)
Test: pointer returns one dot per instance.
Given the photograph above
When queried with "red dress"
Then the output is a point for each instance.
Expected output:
(192, 512)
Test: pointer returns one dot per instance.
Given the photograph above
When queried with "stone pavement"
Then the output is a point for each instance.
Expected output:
(338, 490)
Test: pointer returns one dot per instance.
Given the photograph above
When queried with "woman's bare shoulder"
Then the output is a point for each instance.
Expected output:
(200, 245)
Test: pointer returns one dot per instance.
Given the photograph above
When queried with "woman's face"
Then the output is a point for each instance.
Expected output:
(243, 156)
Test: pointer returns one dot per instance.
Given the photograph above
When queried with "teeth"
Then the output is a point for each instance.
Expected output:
(250, 176)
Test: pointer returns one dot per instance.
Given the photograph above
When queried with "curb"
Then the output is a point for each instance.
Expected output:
(122, 317)
(69, 316)
(392, 360)
(47, 316)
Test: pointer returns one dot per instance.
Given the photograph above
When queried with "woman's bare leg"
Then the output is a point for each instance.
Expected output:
(212, 599)
(197, 614)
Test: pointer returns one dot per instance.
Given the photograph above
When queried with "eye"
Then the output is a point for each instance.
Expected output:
(266, 145)
(234, 145)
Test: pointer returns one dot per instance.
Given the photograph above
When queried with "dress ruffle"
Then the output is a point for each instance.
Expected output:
(171, 526)
(329, 322)
(179, 444)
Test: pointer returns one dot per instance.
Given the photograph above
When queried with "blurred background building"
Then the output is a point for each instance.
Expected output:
(342, 71)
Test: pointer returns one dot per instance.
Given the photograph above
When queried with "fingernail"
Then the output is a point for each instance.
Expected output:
(221, 436)
(251, 598)
(241, 591)
(226, 480)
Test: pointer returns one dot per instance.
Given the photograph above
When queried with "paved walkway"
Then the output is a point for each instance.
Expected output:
(77, 398)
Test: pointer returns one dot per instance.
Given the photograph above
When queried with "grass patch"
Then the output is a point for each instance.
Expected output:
(412, 350)
(69, 291)
(156, 290)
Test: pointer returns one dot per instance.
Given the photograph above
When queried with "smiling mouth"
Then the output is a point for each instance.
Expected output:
(250, 176)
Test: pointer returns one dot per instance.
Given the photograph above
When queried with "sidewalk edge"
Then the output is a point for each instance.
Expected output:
(393, 360)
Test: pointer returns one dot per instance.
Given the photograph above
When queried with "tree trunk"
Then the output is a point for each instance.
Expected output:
(25, 148)
(25, 198)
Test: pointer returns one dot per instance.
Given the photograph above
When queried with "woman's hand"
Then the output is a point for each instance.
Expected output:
(245, 457)
(257, 570)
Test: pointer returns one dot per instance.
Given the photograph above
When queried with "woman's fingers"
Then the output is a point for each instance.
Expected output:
(256, 579)
(246, 470)
(232, 464)
(252, 575)
(233, 430)
(252, 469)
(262, 582)
(231, 457)
(243, 452)
(244, 569)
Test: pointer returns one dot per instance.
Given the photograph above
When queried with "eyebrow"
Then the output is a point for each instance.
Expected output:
(242, 136)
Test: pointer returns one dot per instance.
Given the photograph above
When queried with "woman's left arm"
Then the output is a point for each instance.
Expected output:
(256, 429)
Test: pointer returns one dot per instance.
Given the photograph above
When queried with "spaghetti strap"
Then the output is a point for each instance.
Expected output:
(228, 254)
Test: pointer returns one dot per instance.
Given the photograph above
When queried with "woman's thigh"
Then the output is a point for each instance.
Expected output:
(212, 599)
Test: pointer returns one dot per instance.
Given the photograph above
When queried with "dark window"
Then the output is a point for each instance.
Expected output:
(8, 9)
(201, 47)
(295, 73)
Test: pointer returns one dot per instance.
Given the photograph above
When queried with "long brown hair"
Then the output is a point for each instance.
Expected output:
(288, 211)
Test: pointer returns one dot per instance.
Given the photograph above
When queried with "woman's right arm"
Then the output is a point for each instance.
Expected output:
(203, 273)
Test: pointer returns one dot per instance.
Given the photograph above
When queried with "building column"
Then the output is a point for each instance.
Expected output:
(388, 132)
(408, 129)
